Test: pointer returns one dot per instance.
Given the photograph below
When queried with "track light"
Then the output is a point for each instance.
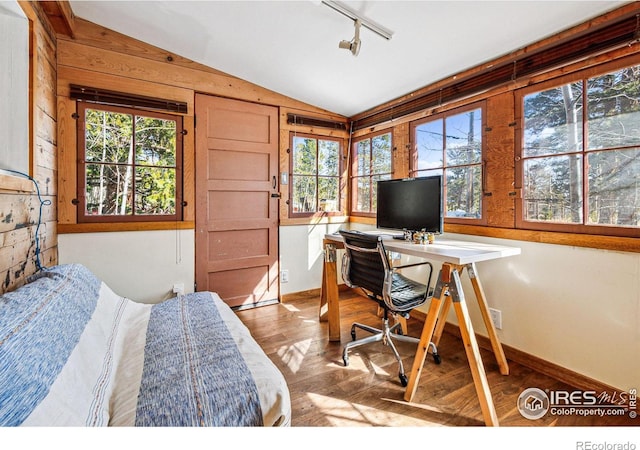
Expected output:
(354, 44)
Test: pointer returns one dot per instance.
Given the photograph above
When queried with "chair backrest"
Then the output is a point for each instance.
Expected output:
(365, 264)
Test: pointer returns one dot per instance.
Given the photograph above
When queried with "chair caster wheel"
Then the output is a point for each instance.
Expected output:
(437, 359)
(403, 380)
(353, 335)
(345, 360)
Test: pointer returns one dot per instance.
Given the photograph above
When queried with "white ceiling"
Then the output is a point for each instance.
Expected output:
(291, 47)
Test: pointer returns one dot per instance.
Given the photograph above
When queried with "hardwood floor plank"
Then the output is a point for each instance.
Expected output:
(325, 393)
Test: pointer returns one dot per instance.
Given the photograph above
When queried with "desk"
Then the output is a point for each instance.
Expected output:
(455, 257)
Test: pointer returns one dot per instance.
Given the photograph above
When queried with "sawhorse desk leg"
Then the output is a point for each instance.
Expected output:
(449, 285)
(329, 296)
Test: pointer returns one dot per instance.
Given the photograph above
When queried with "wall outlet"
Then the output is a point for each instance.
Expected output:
(284, 276)
(496, 318)
(178, 288)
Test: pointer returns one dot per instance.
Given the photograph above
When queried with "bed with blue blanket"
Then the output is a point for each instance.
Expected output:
(74, 353)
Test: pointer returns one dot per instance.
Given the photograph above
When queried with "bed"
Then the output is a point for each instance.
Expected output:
(74, 353)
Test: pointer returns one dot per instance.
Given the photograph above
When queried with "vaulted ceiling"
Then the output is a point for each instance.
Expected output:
(291, 47)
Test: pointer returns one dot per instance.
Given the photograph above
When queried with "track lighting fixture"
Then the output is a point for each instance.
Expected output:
(354, 44)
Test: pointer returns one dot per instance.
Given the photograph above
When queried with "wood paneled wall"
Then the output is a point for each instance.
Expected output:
(102, 58)
(19, 204)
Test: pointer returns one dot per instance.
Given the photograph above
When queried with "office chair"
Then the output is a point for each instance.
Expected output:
(365, 265)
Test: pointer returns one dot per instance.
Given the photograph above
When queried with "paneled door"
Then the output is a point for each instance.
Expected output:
(236, 200)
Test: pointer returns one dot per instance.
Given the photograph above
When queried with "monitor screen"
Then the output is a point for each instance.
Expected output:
(411, 204)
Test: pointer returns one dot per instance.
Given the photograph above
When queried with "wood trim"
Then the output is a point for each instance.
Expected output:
(124, 226)
(624, 244)
(60, 15)
(15, 183)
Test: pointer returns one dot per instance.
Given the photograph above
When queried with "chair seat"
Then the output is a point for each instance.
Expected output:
(407, 293)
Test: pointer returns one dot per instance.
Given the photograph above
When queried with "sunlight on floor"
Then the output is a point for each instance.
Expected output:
(293, 355)
(340, 413)
(289, 307)
(363, 365)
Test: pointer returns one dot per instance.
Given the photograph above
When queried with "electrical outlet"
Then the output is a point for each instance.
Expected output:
(178, 288)
(284, 276)
(496, 318)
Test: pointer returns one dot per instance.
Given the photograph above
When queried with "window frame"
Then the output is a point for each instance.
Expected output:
(317, 137)
(353, 175)
(520, 94)
(80, 201)
(413, 158)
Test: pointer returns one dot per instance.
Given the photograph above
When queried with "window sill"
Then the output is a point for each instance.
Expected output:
(16, 183)
(623, 244)
(123, 226)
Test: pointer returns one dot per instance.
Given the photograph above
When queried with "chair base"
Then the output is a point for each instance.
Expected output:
(386, 335)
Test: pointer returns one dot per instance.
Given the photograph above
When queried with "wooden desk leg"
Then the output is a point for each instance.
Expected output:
(330, 288)
(425, 338)
(442, 320)
(486, 317)
(323, 313)
(473, 353)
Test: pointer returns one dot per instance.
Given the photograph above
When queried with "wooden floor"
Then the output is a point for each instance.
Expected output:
(324, 393)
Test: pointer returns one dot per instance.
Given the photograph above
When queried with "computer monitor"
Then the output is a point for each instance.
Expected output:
(413, 204)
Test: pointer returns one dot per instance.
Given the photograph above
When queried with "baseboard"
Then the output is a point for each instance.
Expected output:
(573, 379)
(308, 294)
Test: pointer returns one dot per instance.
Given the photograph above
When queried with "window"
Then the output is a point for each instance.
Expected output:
(451, 144)
(371, 163)
(129, 164)
(14, 88)
(315, 175)
(580, 155)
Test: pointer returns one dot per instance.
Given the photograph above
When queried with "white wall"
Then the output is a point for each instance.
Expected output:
(140, 265)
(576, 307)
(301, 253)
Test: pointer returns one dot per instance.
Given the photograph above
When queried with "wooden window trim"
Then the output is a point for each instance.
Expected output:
(413, 172)
(353, 169)
(520, 94)
(80, 189)
(304, 215)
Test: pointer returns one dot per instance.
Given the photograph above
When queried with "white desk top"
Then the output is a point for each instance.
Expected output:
(445, 250)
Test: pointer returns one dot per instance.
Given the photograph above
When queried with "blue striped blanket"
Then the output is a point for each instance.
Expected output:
(194, 374)
(72, 352)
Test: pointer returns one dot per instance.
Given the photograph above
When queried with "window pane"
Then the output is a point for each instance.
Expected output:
(363, 155)
(553, 121)
(155, 190)
(614, 188)
(108, 189)
(553, 189)
(374, 189)
(108, 136)
(328, 194)
(328, 158)
(363, 200)
(304, 194)
(381, 153)
(614, 109)
(155, 141)
(430, 145)
(304, 156)
(464, 138)
(464, 192)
